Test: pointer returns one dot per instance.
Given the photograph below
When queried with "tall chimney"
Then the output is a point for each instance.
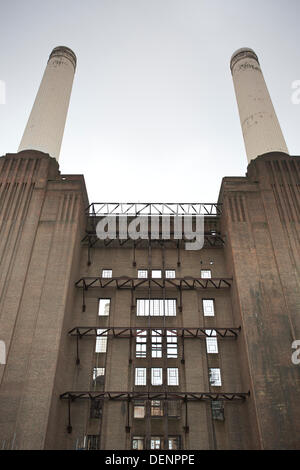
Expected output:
(46, 123)
(260, 126)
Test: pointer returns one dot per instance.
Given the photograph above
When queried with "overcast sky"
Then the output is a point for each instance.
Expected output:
(153, 115)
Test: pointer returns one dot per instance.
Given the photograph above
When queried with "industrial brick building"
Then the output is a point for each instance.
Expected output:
(139, 343)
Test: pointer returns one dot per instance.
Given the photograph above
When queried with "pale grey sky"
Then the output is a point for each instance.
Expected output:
(153, 115)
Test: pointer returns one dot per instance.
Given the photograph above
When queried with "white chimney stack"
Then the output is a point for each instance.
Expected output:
(46, 123)
(260, 126)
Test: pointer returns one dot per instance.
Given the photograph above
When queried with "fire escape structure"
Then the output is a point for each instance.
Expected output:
(151, 394)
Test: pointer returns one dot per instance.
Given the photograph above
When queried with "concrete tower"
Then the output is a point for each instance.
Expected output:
(46, 123)
(260, 126)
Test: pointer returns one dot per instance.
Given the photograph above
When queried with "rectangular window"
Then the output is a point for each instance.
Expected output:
(156, 376)
(142, 273)
(156, 343)
(157, 408)
(155, 442)
(173, 376)
(141, 343)
(91, 442)
(211, 342)
(205, 273)
(174, 442)
(174, 408)
(170, 273)
(140, 376)
(172, 350)
(96, 408)
(170, 307)
(156, 273)
(138, 443)
(215, 377)
(208, 307)
(98, 375)
(106, 273)
(139, 409)
(104, 307)
(101, 341)
(156, 307)
(217, 410)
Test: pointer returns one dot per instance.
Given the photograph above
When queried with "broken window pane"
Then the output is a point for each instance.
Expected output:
(157, 408)
(96, 408)
(138, 443)
(104, 307)
(215, 377)
(217, 409)
(98, 375)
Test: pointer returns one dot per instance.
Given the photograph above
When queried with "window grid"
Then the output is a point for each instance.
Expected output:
(141, 344)
(211, 342)
(205, 273)
(101, 342)
(174, 408)
(155, 442)
(156, 376)
(156, 307)
(91, 442)
(208, 307)
(142, 273)
(172, 376)
(170, 273)
(156, 343)
(140, 376)
(172, 349)
(106, 273)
